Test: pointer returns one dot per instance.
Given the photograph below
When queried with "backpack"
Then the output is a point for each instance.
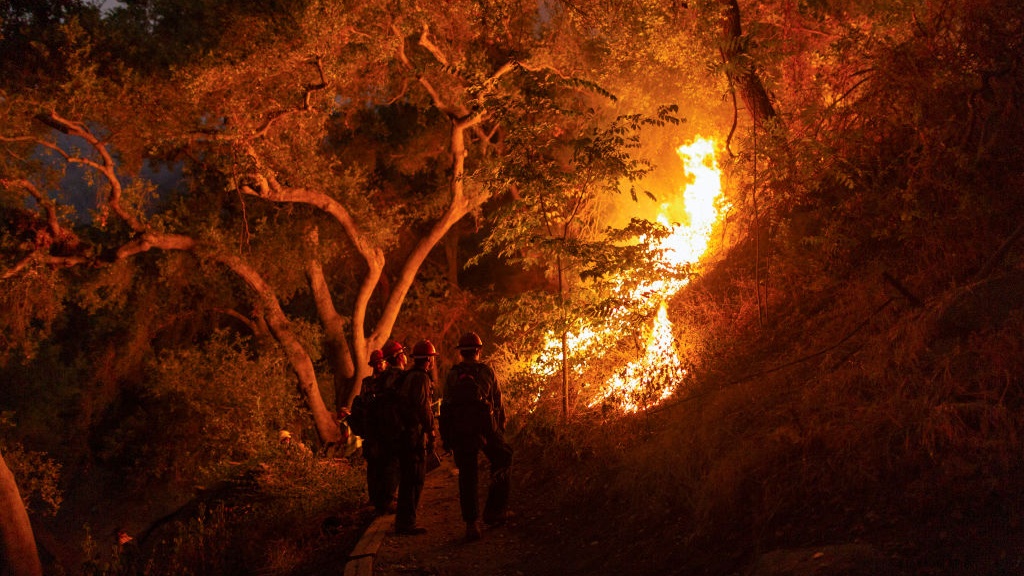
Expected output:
(358, 419)
(383, 408)
(466, 411)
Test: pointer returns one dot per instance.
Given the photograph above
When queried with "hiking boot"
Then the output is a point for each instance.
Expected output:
(410, 531)
(472, 532)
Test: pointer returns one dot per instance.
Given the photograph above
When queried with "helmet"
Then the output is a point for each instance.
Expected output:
(469, 341)
(376, 357)
(284, 436)
(423, 349)
(391, 349)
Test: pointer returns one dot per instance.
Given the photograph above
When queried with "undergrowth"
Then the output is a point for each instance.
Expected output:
(268, 520)
(896, 437)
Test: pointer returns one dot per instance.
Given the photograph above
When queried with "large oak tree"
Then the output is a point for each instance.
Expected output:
(261, 122)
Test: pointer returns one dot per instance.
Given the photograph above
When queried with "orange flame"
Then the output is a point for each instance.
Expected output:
(654, 376)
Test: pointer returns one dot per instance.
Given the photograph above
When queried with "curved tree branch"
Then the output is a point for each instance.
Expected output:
(147, 239)
(106, 166)
(275, 116)
(269, 189)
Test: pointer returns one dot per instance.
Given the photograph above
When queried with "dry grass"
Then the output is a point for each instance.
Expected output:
(895, 435)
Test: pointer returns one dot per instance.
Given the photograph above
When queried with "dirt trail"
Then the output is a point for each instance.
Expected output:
(502, 551)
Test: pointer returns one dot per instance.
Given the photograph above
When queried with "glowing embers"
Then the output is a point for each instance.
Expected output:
(653, 376)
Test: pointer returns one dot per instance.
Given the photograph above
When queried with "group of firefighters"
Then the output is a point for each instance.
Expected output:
(394, 416)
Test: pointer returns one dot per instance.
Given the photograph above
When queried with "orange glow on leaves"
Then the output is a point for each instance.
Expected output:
(654, 375)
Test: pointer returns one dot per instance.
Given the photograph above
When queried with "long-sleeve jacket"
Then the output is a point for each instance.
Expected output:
(415, 392)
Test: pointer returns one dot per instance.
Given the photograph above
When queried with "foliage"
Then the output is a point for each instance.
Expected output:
(230, 532)
(873, 407)
(30, 304)
(820, 387)
(37, 473)
(598, 278)
(202, 412)
(232, 540)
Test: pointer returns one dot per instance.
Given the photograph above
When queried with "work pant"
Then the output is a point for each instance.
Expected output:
(499, 455)
(381, 474)
(412, 471)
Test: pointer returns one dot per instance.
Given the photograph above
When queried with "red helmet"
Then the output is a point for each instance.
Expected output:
(376, 357)
(469, 341)
(392, 348)
(423, 349)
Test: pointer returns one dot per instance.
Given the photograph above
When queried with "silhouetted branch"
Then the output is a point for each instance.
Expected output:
(914, 300)
(1001, 253)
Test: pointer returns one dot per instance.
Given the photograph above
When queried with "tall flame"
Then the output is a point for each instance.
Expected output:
(653, 377)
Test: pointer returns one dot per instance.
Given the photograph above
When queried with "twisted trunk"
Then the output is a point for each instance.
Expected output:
(326, 425)
(743, 73)
(20, 556)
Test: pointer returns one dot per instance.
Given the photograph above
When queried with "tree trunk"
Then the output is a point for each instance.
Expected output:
(458, 206)
(326, 425)
(270, 189)
(339, 355)
(565, 346)
(743, 74)
(451, 253)
(20, 556)
(269, 310)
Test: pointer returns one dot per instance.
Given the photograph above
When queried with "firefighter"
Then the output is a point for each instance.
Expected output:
(381, 463)
(417, 437)
(385, 418)
(394, 355)
(473, 420)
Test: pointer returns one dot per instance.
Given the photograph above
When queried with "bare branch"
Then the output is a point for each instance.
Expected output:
(402, 57)
(310, 89)
(274, 116)
(436, 97)
(106, 167)
(47, 205)
(535, 69)
(248, 322)
(149, 240)
(431, 47)
(401, 93)
(41, 258)
(17, 138)
(270, 189)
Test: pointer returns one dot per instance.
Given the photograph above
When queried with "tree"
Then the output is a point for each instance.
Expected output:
(19, 544)
(268, 121)
(559, 223)
(467, 91)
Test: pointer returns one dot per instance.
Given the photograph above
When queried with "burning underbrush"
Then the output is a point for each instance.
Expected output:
(623, 355)
(867, 423)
